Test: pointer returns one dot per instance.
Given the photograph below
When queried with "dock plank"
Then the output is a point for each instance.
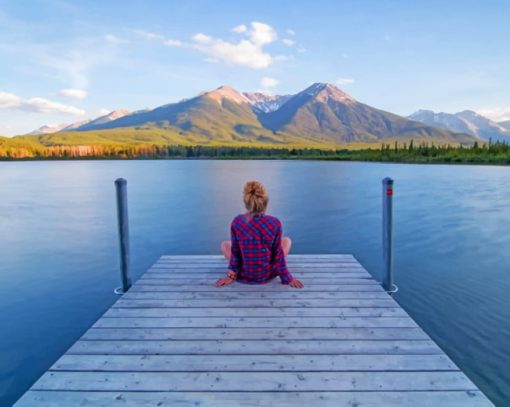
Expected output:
(254, 295)
(256, 312)
(176, 340)
(253, 333)
(255, 399)
(253, 363)
(276, 347)
(257, 322)
(255, 381)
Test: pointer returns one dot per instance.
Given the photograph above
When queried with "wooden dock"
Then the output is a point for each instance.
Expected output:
(176, 340)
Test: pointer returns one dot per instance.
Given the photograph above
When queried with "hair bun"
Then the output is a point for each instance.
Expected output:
(255, 188)
(255, 196)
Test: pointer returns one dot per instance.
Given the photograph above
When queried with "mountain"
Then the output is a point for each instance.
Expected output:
(221, 115)
(107, 118)
(76, 125)
(322, 114)
(81, 124)
(467, 121)
(49, 128)
(505, 124)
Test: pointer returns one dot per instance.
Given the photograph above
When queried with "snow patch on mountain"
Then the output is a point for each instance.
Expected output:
(264, 102)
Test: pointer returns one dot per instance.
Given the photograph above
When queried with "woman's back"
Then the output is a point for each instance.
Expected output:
(257, 254)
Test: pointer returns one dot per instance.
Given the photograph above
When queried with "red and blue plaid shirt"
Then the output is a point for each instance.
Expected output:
(257, 255)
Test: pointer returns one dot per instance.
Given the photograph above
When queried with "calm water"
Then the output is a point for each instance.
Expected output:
(59, 259)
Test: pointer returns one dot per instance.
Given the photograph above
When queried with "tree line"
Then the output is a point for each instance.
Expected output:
(423, 152)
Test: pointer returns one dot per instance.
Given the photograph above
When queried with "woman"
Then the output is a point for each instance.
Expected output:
(256, 252)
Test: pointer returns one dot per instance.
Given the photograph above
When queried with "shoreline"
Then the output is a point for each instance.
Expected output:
(261, 158)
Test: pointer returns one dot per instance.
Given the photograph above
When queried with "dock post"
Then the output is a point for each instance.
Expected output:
(122, 217)
(388, 236)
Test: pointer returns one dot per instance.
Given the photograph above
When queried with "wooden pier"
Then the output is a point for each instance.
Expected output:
(175, 340)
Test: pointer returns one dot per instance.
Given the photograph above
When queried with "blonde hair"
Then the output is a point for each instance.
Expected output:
(255, 197)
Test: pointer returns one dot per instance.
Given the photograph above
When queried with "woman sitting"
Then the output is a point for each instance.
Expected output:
(256, 252)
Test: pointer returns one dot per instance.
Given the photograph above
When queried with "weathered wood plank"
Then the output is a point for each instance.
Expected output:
(255, 312)
(253, 363)
(470, 398)
(257, 381)
(193, 282)
(174, 275)
(268, 288)
(248, 303)
(257, 322)
(254, 333)
(255, 295)
(250, 347)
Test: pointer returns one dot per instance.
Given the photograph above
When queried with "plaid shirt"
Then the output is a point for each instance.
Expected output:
(257, 255)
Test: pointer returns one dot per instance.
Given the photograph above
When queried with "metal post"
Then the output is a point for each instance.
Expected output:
(122, 217)
(388, 236)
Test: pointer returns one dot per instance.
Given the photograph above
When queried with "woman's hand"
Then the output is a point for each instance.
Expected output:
(224, 281)
(295, 283)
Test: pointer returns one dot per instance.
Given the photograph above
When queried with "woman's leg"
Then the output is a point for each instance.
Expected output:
(226, 249)
(286, 245)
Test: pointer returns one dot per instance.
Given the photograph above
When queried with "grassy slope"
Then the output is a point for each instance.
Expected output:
(171, 136)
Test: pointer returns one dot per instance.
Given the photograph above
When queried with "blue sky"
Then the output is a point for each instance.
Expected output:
(62, 61)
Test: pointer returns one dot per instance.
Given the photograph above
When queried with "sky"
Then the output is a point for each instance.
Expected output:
(64, 61)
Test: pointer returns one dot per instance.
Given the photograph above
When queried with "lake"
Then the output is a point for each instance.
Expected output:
(59, 249)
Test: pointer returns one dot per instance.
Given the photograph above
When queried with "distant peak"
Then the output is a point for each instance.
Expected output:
(328, 91)
(468, 113)
(227, 92)
(117, 114)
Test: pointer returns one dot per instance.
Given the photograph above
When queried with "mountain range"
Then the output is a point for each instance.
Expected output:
(467, 122)
(81, 125)
(321, 114)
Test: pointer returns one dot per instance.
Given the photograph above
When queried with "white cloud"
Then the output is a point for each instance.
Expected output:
(268, 82)
(288, 42)
(172, 43)
(114, 40)
(247, 52)
(202, 38)
(73, 93)
(103, 112)
(290, 32)
(344, 81)
(147, 35)
(38, 105)
(240, 29)
(498, 114)
(262, 34)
